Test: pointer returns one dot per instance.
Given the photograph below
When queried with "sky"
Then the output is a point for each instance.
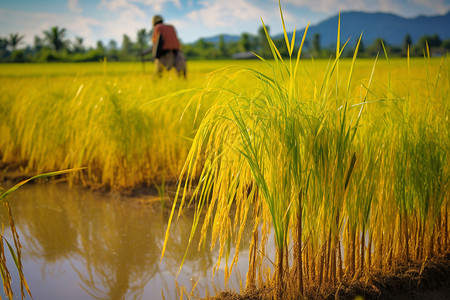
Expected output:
(104, 20)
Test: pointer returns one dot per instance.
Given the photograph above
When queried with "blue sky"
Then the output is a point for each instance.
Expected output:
(110, 19)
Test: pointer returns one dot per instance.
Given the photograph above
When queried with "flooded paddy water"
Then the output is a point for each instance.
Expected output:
(79, 244)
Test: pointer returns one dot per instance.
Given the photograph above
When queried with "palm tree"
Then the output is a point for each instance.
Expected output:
(378, 46)
(127, 46)
(38, 43)
(78, 46)
(55, 36)
(263, 43)
(407, 43)
(3, 44)
(244, 42)
(316, 44)
(142, 37)
(14, 40)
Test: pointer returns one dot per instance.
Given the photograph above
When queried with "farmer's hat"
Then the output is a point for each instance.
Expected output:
(157, 19)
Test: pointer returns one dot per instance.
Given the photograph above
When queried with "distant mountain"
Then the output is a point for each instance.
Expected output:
(392, 28)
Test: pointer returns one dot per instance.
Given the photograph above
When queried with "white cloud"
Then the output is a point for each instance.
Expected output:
(442, 6)
(31, 24)
(392, 6)
(131, 16)
(113, 5)
(331, 6)
(128, 22)
(226, 13)
(156, 5)
(74, 6)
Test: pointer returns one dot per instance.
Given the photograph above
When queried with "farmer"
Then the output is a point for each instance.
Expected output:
(166, 48)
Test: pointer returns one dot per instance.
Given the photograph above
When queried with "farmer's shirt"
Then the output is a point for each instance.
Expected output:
(168, 35)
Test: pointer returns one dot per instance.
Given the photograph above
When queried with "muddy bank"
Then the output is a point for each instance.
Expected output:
(13, 173)
(415, 281)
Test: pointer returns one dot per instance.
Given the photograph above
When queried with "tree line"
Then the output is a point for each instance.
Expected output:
(53, 46)
(427, 43)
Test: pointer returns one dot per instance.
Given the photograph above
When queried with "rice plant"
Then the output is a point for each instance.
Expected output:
(351, 177)
(99, 121)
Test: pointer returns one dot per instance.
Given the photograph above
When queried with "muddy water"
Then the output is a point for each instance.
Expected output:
(83, 245)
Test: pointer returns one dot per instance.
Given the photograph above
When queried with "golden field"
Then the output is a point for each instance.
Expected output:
(102, 115)
(346, 161)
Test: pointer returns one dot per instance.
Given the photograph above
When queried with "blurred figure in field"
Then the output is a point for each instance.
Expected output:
(166, 48)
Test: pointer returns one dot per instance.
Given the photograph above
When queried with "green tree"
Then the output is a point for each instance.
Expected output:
(421, 47)
(112, 45)
(362, 48)
(14, 40)
(55, 36)
(316, 48)
(101, 50)
(78, 46)
(281, 46)
(141, 39)
(222, 46)
(3, 48)
(38, 43)
(19, 56)
(446, 45)
(127, 47)
(407, 43)
(244, 42)
(204, 49)
(3, 43)
(377, 47)
(262, 43)
(113, 52)
(201, 44)
(434, 41)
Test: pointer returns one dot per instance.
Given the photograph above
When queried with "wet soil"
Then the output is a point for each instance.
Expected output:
(430, 280)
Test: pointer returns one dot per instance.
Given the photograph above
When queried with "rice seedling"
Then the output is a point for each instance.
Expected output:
(350, 173)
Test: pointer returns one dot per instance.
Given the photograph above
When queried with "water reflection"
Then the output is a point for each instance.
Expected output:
(82, 245)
